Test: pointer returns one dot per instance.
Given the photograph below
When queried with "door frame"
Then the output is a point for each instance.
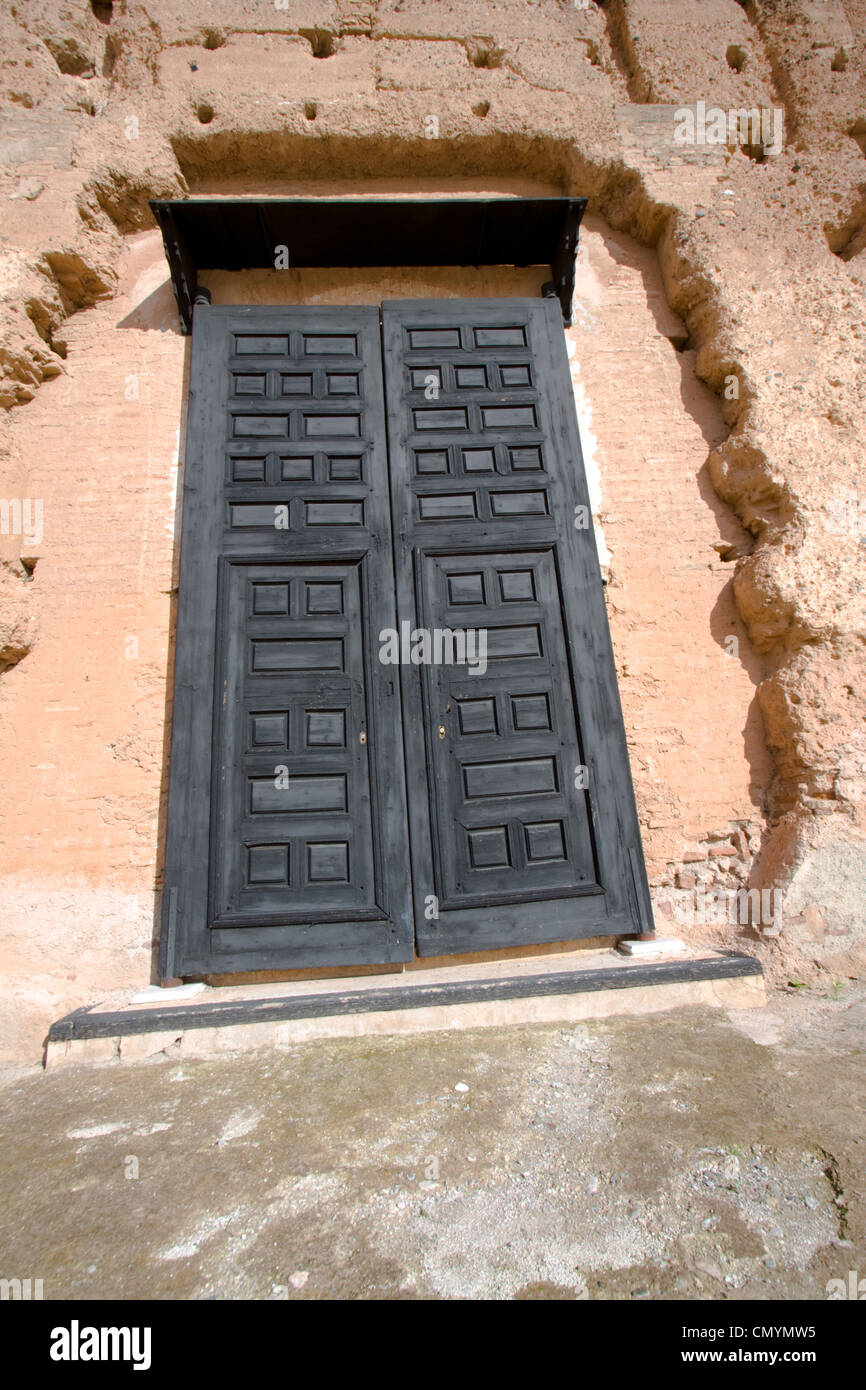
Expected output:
(239, 234)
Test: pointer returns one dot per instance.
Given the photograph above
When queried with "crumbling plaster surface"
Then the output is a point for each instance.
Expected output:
(760, 260)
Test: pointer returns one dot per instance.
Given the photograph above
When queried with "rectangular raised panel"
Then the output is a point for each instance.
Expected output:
(269, 729)
(469, 378)
(261, 426)
(431, 461)
(345, 470)
(526, 777)
(258, 514)
(517, 586)
(296, 470)
(531, 711)
(500, 337)
(334, 513)
(466, 588)
(323, 597)
(332, 426)
(477, 716)
(270, 599)
(268, 864)
(248, 470)
(525, 460)
(431, 418)
(513, 642)
(330, 345)
(261, 344)
(328, 862)
(296, 384)
(309, 794)
(249, 383)
(342, 383)
(500, 417)
(518, 503)
(479, 460)
(440, 506)
(422, 377)
(515, 376)
(545, 840)
(326, 728)
(488, 848)
(434, 338)
(298, 654)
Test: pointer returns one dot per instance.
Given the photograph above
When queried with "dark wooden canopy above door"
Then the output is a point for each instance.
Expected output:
(328, 805)
(245, 234)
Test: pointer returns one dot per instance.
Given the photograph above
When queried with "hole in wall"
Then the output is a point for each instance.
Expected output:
(857, 131)
(483, 53)
(481, 108)
(205, 112)
(11, 655)
(311, 110)
(212, 38)
(70, 59)
(111, 55)
(727, 552)
(321, 42)
(736, 57)
(848, 239)
(840, 61)
(102, 10)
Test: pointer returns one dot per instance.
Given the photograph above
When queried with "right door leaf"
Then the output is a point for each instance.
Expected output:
(523, 824)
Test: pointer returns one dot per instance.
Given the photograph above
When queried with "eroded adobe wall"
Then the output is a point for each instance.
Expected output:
(717, 355)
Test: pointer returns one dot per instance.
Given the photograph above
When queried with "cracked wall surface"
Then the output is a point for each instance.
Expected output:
(720, 294)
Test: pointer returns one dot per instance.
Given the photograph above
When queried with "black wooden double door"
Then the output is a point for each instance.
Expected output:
(396, 726)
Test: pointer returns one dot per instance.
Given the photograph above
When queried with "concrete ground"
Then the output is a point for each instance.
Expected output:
(690, 1155)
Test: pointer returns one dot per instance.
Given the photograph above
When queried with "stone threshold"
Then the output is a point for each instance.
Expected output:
(592, 984)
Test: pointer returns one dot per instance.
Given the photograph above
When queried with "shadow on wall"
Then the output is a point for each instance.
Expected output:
(165, 755)
(158, 312)
(283, 156)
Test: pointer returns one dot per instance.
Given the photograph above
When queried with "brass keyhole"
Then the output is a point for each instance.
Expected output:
(441, 730)
(363, 736)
